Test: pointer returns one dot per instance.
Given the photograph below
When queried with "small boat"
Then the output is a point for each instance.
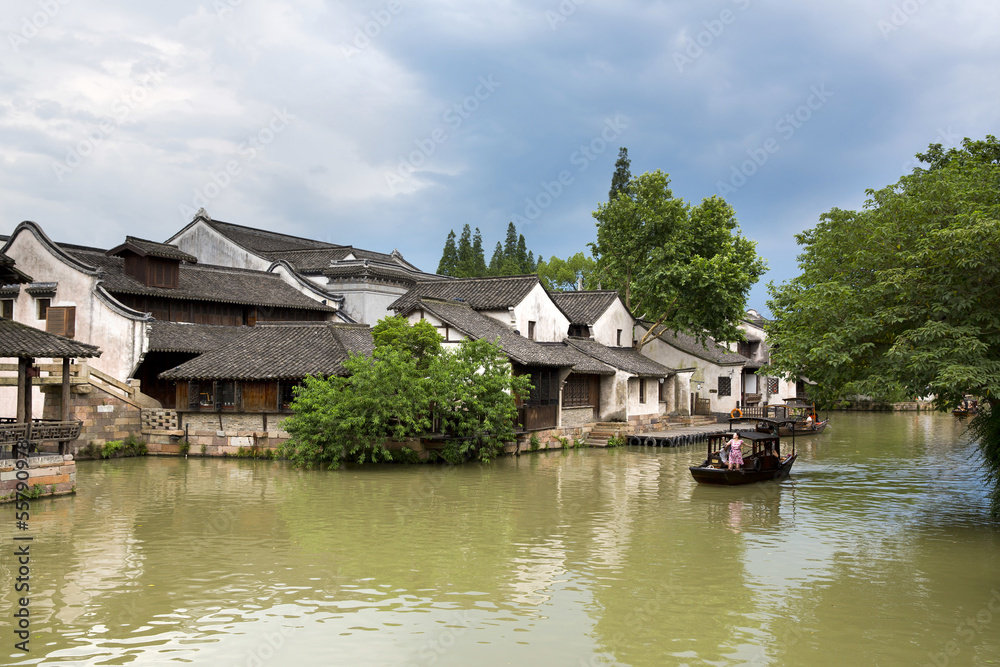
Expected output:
(765, 461)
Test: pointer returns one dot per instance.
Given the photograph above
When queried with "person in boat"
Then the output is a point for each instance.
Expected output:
(735, 450)
(810, 424)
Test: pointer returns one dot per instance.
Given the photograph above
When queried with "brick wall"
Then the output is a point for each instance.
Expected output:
(230, 421)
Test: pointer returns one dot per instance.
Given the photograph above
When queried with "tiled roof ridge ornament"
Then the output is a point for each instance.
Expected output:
(203, 214)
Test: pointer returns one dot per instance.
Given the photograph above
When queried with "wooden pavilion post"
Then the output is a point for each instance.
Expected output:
(66, 407)
(22, 375)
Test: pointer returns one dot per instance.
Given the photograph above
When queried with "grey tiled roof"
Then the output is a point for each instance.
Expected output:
(20, 340)
(153, 249)
(365, 270)
(186, 337)
(278, 352)
(710, 351)
(479, 293)
(624, 358)
(11, 274)
(264, 241)
(199, 282)
(519, 349)
(585, 307)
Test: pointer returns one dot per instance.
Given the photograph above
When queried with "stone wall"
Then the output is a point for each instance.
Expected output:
(230, 421)
(54, 472)
(576, 417)
(105, 417)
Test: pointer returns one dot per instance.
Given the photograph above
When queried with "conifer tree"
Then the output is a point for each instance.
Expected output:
(496, 263)
(478, 258)
(466, 264)
(622, 175)
(449, 258)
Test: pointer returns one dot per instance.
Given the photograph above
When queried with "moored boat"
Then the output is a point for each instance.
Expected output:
(764, 462)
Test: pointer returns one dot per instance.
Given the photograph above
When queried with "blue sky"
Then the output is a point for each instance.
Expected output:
(385, 124)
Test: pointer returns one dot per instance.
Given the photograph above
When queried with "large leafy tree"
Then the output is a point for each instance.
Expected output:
(904, 295)
(398, 392)
(561, 275)
(682, 267)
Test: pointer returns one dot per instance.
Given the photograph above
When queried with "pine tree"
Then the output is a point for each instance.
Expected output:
(622, 175)
(522, 256)
(466, 264)
(478, 258)
(449, 258)
(510, 244)
(496, 263)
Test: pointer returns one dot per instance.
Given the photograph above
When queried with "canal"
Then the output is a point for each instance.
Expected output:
(879, 550)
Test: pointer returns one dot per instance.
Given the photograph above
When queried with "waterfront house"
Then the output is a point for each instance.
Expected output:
(247, 383)
(759, 389)
(112, 298)
(360, 283)
(708, 374)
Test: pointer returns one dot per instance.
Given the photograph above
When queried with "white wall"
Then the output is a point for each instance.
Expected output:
(211, 247)
(616, 317)
(703, 371)
(367, 303)
(538, 307)
(651, 406)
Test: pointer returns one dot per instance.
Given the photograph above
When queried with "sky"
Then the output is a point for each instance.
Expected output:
(385, 124)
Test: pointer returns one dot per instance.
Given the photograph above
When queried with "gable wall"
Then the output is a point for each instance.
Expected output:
(551, 325)
(605, 330)
(211, 247)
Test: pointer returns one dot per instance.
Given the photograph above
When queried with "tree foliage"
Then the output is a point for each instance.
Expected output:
(620, 179)
(904, 295)
(685, 268)
(406, 385)
(562, 275)
(466, 259)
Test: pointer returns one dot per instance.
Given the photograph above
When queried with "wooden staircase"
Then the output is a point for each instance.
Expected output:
(603, 431)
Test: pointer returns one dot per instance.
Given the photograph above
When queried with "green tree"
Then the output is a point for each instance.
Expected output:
(449, 258)
(478, 258)
(562, 275)
(620, 179)
(397, 392)
(496, 263)
(904, 295)
(685, 268)
(466, 260)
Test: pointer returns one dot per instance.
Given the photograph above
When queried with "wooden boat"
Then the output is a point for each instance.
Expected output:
(793, 416)
(765, 461)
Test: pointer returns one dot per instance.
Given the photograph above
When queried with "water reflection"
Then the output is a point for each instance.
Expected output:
(871, 552)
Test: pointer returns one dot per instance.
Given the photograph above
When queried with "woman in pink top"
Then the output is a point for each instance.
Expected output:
(735, 447)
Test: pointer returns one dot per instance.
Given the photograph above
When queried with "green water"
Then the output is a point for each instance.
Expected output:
(879, 550)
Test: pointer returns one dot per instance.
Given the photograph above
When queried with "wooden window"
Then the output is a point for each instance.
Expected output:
(725, 386)
(619, 343)
(43, 307)
(8, 309)
(531, 330)
(576, 392)
(225, 396)
(660, 398)
(61, 321)
(286, 394)
(201, 395)
(642, 390)
(545, 388)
